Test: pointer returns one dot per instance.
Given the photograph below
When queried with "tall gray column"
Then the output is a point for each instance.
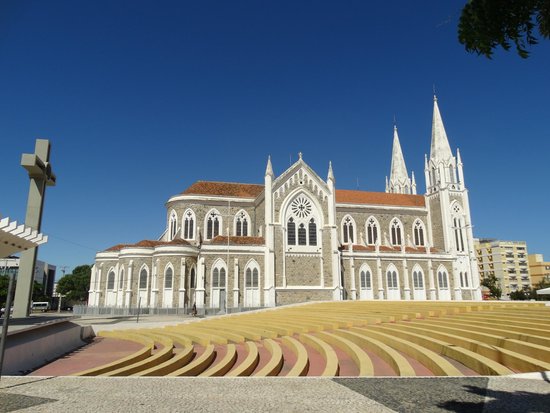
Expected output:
(40, 175)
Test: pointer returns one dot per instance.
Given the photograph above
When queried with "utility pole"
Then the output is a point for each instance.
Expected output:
(59, 296)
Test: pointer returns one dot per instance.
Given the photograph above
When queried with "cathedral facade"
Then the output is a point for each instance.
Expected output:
(298, 238)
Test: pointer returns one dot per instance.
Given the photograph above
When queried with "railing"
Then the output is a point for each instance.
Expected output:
(83, 310)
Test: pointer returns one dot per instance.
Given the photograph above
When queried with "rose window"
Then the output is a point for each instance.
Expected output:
(301, 207)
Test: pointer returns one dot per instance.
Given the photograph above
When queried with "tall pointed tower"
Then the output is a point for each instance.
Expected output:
(448, 203)
(399, 182)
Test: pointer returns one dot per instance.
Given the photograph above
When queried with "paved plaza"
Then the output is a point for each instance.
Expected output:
(136, 394)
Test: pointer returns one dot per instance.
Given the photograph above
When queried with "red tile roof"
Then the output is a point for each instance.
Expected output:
(221, 240)
(224, 189)
(148, 244)
(346, 196)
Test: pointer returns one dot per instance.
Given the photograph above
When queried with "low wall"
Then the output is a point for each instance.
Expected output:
(35, 346)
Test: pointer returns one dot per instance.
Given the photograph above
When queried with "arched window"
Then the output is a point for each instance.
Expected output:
(143, 276)
(218, 278)
(458, 226)
(312, 232)
(366, 281)
(418, 233)
(241, 224)
(464, 279)
(173, 227)
(255, 277)
(111, 280)
(251, 278)
(213, 223)
(372, 231)
(168, 278)
(121, 280)
(396, 236)
(291, 232)
(348, 230)
(418, 280)
(442, 280)
(189, 224)
(193, 279)
(302, 237)
(301, 222)
(391, 277)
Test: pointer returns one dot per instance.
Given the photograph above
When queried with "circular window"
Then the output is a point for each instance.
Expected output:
(301, 207)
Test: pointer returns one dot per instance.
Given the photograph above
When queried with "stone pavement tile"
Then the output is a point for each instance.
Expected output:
(163, 394)
(511, 395)
(419, 394)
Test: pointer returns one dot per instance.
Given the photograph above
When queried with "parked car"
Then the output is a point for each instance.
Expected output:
(40, 306)
(3, 310)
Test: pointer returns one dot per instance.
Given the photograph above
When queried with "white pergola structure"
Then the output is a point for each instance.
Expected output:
(15, 238)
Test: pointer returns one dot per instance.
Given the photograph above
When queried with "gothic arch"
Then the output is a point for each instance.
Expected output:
(218, 266)
(442, 277)
(348, 230)
(121, 278)
(397, 235)
(365, 277)
(372, 230)
(171, 275)
(418, 278)
(143, 277)
(302, 217)
(189, 222)
(252, 265)
(213, 224)
(419, 233)
(242, 224)
(458, 226)
(111, 278)
(172, 224)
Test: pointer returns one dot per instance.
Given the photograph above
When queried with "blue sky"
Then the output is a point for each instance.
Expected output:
(142, 98)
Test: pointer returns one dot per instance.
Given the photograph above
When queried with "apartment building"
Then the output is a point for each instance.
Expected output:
(506, 260)
(538, 268)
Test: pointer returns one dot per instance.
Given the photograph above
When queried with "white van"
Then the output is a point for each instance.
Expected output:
(40, 306)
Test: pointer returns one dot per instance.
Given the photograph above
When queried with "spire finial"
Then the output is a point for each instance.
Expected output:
(394, 122)
(330, 175)
(269, 168)
(435, 95)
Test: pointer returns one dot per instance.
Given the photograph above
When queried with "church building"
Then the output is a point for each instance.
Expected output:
(298, 238)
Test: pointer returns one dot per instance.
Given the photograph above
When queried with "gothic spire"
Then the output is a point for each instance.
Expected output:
(399, 178)
(440, 149)
(269, 168)
(330, 175)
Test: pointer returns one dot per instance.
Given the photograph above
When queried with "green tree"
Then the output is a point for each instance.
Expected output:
(75, 286)
(491, 283)
(4, 283)
(521, 294)
(37, 290)
(486, 24)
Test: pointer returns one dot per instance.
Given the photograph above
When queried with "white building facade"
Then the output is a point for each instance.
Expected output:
(298, 238)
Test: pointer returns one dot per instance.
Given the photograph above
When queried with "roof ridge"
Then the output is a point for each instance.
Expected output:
(227, 182)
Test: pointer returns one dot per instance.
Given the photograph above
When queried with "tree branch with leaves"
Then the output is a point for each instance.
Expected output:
(485, 25)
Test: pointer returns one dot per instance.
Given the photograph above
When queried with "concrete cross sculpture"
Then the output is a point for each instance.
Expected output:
(40, 172)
